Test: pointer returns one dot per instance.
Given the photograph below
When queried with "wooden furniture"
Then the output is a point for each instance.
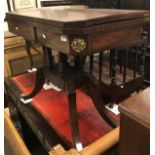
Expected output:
(79, 32)
(135, 125)
(45, 117)
(14, 138)
(141, 5)
(16, 60)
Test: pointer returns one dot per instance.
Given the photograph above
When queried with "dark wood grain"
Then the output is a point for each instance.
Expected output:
(22, 29)
(98, 28)
(138, 108)
(135, 125)
(77, 15)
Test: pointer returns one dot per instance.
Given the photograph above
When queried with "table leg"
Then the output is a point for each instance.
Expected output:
(28, 50)
(47, 53)
(91, 64)
(94, 93)
(70, 89)
(40, 79)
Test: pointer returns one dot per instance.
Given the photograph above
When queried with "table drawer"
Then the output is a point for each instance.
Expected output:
(53, 40)
(23, 29)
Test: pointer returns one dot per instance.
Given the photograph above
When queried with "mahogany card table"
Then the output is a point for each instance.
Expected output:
(75, 31)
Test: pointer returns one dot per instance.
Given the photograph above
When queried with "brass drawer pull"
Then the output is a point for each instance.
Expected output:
(44, 36)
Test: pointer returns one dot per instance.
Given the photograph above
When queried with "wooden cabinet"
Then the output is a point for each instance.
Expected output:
(135, 125)
(16, 60)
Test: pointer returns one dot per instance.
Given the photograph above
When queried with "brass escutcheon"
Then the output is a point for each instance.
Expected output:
(78, 45)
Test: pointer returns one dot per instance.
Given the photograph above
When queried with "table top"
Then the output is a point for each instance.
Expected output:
(81, 15)
(138, 107)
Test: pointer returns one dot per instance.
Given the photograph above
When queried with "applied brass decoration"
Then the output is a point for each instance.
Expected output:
(78, 45)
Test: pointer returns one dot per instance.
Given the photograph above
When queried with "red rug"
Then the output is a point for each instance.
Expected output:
(53, 106)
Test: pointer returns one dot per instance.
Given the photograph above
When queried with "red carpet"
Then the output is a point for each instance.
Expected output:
(53, 106)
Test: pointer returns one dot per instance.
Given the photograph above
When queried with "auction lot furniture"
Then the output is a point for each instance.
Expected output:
(73, 31)
(135, 125)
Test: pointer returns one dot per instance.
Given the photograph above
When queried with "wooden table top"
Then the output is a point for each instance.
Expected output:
(138, 108)
(81, 15)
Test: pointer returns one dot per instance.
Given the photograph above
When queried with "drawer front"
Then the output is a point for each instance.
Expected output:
(23, 29)
(55, 41)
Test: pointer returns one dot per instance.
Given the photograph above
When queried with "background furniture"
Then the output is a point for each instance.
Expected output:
(13, 142)
(135, 125)
(16, 60)
(46, 3)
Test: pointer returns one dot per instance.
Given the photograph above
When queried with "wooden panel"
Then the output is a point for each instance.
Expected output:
(116, 38)
(134, 138)
(135, 125)
(138, 4)
(138, 108)
(5, 71)
(15, 56)
(13, 42)
(13, 137)
(17, 61)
